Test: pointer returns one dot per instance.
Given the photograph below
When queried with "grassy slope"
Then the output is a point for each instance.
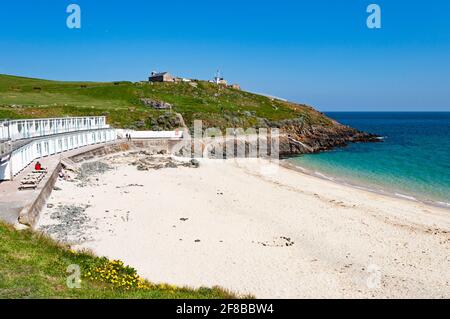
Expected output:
(33, 266)
(120, 101)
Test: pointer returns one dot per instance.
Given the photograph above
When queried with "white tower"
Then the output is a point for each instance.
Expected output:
(217, 78)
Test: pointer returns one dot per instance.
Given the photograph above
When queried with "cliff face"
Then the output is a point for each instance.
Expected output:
(297, 140)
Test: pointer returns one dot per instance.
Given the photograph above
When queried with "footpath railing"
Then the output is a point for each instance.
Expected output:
(5, 147)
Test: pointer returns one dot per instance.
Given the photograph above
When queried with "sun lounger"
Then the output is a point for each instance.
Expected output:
(32, 180)
(24, 187)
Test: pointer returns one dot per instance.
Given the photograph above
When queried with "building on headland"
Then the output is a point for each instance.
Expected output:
(167, 77)
(182, 80)
(23, 141)
(161, 77)
(219, 80)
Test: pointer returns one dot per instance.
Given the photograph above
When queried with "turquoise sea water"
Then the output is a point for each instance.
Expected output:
(413, 161)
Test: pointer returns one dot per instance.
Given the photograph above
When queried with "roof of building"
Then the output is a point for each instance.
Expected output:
(159, 74)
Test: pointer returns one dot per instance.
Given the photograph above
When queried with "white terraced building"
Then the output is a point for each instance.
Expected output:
(21, 129)
(24, 141)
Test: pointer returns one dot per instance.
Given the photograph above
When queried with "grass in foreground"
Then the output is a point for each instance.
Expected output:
(34, 266)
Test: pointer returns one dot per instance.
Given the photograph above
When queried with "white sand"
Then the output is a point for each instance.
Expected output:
(347, 242)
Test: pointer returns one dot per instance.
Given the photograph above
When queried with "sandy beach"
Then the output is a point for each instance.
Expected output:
(254, 228)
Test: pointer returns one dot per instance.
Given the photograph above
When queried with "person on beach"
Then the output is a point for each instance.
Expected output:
(62, 174)
(38, 166)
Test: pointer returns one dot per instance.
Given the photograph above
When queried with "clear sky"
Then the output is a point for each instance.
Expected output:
(316, 52)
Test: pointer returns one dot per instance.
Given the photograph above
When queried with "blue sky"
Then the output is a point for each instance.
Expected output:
(316, 52)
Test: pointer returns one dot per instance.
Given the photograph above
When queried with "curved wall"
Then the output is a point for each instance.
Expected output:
(51, 145)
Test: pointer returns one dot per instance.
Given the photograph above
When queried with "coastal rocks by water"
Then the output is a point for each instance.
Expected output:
(296, 136)
(293, 140)
(312, 139)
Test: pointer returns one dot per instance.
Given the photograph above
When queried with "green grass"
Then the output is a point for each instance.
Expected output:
(34, 266)
(120, 102)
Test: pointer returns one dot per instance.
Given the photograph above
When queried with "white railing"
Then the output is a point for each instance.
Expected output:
(3, 131)
(5, 147)
(23, 129)
(51, 145)
(173, 135)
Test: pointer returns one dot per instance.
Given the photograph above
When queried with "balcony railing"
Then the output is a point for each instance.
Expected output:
(5, 147)
(25, 129)
(31, 150)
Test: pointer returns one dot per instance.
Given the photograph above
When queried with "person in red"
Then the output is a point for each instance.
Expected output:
(38, 166)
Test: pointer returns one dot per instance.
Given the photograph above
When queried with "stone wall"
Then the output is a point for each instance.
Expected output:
(29, 215)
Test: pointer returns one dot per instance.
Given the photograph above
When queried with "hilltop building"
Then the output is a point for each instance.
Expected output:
(177, 79)
(219, 80)
(161, 77)
(167, 77)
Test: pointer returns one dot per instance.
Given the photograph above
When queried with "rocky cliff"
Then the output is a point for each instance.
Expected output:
(302, 139)
(295, 137)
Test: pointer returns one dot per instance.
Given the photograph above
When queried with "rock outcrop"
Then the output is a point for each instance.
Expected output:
(296, 136)
(291, 142)
(313, 139)
(160, 105)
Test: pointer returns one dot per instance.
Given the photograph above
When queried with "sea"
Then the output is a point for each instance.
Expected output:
(412, 162)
